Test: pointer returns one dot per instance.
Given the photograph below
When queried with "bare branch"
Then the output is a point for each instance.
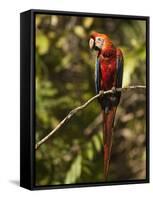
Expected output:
(74, 111)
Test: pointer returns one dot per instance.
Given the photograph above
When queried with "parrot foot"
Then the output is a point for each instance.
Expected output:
(114, 90)
(101, 92)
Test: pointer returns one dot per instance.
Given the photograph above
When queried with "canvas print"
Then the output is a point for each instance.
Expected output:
(90, 99)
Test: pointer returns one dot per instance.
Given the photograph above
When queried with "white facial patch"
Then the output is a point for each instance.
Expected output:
(98, 42)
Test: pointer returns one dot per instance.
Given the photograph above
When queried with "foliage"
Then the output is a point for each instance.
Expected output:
(65, 79)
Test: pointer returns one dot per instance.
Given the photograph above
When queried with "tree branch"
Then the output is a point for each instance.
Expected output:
(74, 111)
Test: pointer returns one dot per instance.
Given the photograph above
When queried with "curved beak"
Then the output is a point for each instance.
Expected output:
(91, 43)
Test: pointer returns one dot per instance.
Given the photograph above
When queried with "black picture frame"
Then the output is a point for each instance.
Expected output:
(27, 98)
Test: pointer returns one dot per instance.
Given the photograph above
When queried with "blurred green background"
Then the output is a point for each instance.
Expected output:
(65, 80)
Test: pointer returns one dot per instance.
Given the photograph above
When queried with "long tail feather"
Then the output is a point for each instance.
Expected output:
(108, 123)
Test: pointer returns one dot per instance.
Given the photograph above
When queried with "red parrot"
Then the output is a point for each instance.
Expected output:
(108, 75)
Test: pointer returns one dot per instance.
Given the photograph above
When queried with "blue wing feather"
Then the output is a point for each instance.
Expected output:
(119, 71)
(97, 76)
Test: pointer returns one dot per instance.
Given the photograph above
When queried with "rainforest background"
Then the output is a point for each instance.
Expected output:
(65, 80)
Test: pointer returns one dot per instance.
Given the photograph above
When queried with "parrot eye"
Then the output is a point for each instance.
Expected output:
(99, 42)
(99, 39)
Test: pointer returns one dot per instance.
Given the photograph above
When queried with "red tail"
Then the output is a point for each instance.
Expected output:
(108, 123)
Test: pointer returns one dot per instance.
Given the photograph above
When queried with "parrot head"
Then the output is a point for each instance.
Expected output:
(99, 41)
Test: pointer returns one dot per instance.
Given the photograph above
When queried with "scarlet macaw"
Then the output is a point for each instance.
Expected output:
(108, 75)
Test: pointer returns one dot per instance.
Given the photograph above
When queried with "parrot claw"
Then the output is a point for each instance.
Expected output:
(114, 90)
(101, 92)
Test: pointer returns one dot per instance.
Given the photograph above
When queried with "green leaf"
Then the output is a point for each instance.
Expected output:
(89, 151)
(75, 170)
(97, 142)
(79, 31)
(88, 21)
(42, 43)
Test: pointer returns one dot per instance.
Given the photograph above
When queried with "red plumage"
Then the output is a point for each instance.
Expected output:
(109, 72)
